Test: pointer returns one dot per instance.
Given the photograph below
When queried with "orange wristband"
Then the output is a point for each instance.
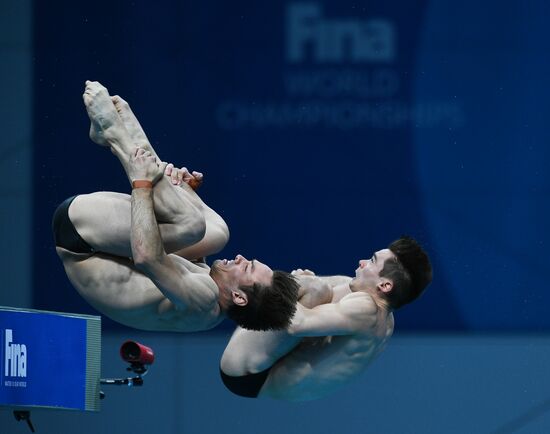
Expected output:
(194, 184)
(140, 183)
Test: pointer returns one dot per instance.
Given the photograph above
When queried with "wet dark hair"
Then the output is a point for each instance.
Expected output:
(269, 307)
(410, 271)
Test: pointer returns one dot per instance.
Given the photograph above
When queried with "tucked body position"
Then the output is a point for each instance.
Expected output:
(138, 258)
(341, 325)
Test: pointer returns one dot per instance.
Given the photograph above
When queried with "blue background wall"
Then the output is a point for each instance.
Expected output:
(325, 130)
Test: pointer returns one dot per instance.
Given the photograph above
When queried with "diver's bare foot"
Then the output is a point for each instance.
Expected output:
(101, 111)
(131, 123)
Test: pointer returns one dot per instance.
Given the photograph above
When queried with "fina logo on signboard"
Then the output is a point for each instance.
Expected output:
(15, 360)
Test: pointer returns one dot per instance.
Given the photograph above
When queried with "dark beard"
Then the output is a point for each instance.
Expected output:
(215, 269)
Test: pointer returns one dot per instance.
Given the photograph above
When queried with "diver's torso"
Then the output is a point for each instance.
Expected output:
(318, 366)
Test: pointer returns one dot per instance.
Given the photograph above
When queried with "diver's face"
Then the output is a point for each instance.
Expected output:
(367, 275)
(240, 271)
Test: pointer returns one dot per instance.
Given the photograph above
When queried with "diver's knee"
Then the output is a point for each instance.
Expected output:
(196, 228)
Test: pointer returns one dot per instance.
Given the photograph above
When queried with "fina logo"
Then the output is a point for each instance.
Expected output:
(15, 357)
(334, 41)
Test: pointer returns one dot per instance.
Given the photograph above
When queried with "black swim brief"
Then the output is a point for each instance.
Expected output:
(248, 386)
(65, 233)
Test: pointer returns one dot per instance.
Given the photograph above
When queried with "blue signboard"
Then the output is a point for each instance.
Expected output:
(43, 359)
